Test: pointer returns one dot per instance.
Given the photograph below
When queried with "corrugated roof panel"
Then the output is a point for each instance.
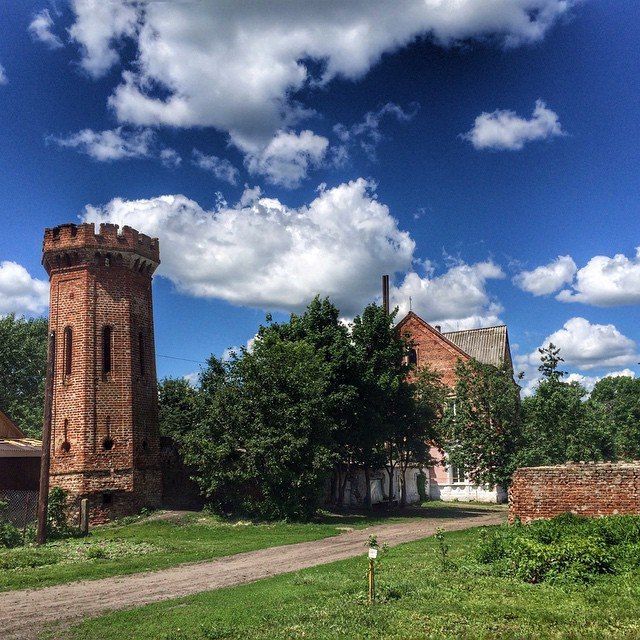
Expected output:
(20, 448)
(488, 345)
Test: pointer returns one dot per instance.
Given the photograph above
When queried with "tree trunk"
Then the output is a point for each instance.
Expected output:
(342, 487)
(390, 496)
(403, 488)
(367, 481)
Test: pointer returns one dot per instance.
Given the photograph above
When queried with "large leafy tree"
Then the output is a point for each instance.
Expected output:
(178, 406)
(557, 424)
(384, 396)
(23, 362)
(481, 428)
(263, 444)
(616, 402)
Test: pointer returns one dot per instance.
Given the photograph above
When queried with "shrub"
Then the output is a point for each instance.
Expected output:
(565, 549)
(10, 535)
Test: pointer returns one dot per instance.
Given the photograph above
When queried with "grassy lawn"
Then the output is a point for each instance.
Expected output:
(418, 600)
(153, 543)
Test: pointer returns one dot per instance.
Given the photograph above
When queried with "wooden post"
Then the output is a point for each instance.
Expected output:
(372, 581)
(45, 460)
(385, 293)
(84, 516)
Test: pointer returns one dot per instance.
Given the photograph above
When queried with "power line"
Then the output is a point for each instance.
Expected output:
(176, 358)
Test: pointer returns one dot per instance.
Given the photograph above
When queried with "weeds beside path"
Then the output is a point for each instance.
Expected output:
(24, 613)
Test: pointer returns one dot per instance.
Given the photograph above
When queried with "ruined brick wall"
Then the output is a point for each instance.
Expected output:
(105, 443)
(588, 489)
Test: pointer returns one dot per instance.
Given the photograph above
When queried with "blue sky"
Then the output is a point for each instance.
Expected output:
(309, 148)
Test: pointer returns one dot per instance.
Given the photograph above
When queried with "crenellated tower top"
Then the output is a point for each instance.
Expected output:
(70, 244)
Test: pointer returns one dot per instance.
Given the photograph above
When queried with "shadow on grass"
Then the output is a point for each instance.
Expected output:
(429, 510)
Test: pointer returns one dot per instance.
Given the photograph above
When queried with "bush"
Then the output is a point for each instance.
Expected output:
(10, 536)
(565, 549)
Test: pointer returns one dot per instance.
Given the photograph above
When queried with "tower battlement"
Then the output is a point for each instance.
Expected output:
(66, 237)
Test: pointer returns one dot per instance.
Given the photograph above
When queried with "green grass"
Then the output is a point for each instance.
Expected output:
(419, 600)
(150, 544)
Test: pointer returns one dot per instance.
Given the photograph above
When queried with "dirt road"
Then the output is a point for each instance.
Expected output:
(24, 614)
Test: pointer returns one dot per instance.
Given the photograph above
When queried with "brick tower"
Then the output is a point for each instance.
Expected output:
(104, 427)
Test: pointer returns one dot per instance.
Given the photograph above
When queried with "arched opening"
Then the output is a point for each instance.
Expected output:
(413, 357)
(107, 444)
(107, 339)
(68, 351)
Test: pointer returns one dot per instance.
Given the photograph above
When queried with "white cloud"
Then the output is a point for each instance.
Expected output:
(40, 29)
(249, 195)
(504, 129)
(367, 132)
(221, 168)
(239, 67)
(3, 76)
(109, 145)
(98, 27)
(287, 158)
(170, 158)
(268, 255)
(589, 382)
(457, 299)
(606, 282)
(19, 292)
(548, 278)
(587, 346)
(118, 144)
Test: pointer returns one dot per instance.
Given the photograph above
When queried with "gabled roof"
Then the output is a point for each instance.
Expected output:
(8, 429)
(489, 345)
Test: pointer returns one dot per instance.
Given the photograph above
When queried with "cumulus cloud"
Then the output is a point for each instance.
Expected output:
(367, 132)
(170, 158)
(265, 254)
(19, 292)
(457, 299)
(589, 382)
(40, 29)
(588, 346)
(606, 282)
(287, 158)
(504, 129)
(117, 144)
(221, 168)
(548, 278)
(239, 67)
(3, 76)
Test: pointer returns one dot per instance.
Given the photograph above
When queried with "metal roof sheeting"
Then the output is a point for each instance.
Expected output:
(20, 448)
(489, 345)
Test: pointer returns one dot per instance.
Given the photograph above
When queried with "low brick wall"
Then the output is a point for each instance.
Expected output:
(588, 489)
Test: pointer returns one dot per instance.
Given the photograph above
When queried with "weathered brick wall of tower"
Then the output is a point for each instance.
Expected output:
(105, 442)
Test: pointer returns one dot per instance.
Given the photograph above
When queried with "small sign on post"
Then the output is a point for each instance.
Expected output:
(373, 554)
(84, 516)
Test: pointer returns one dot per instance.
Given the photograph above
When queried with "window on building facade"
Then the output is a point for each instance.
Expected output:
(413, 357)
(106, 349)
(68, 351)
(457, 474)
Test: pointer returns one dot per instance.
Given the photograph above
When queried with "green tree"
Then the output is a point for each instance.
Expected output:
(557, 423)
(380, 353)
(420, 405)
(23, 363)
(481, 428)
(616, 402)
(263, 444)
(178, 405)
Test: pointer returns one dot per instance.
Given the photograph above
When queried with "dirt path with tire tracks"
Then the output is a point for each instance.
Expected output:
(24, 614)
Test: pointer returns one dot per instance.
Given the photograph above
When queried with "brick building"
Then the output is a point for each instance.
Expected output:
(104, 440)
(441, 352)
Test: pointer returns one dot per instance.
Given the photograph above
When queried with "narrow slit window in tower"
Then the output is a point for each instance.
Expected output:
(106, 349)
(68, 351)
